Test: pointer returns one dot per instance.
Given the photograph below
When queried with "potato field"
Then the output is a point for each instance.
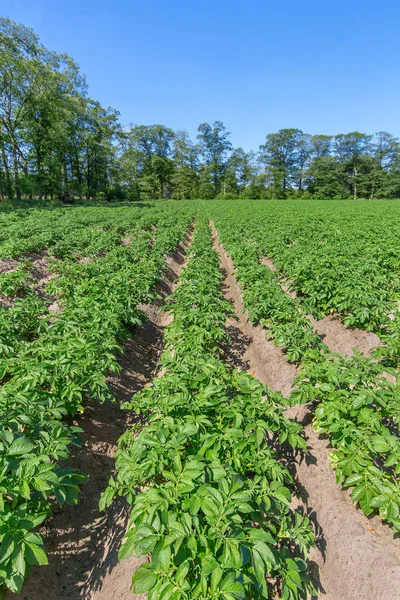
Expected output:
(199, 400)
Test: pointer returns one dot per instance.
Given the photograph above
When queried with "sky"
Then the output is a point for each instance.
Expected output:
(323, 66)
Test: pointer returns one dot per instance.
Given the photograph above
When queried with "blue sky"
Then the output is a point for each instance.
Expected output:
(324, 66)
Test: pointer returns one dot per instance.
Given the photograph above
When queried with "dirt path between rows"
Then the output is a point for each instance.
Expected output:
(357, 557)
(81, 542)
(250, 348)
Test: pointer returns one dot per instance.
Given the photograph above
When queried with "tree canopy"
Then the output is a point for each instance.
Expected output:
(58, 143)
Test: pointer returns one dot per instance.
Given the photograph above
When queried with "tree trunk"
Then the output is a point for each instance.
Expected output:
(372, 188)
(26, 173)
(9, 187)
(17, 185)
(64, 196)
(355, 182)
(39, 172)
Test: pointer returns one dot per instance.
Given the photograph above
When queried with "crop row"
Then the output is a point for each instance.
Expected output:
(86, 230)
(52, 367)
(267, 303)
(356, 406)
(214, 507)
(338, 258)
(357, 409)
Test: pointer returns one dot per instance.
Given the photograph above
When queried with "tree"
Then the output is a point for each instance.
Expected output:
(55, 141)
(385, 152)
(185, 180)
(320, 145)
(351, 149)
(240, 171)
(215, 148)
(147, 157)
(302, 158)
(280, 152)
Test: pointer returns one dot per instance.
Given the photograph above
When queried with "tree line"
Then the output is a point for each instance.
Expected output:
(58, 143)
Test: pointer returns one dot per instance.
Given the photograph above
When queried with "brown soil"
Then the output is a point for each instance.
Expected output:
(6, 302)
(81, 542)
(126, 241)
(331, 330)
(343, 340)
(8, 265)
(268, 263)
(41, 274)
(358, 557)
(86, 260)
(355, 557)
(250, 348)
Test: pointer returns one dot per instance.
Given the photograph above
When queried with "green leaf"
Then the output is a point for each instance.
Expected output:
(379, 444)
(143, 580)
(127, 547)
(21, 445)
(35, 555)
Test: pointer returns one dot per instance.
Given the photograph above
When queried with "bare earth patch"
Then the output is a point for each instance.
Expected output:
(268, 263)
(343, 340)
(8, 265)
(126, 241)
(41, 273)
(268, 362)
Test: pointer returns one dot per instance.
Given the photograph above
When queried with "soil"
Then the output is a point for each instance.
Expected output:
(9, 265)
(268, 263)
(86, 260)
(355, 558)
(41, 274)
(250, 349)
(81, 542)
(343, 340)
(126, 241)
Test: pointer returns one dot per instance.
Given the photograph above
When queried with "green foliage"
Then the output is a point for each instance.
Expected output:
(358, 409)
(263, 296)
(332, 256)
(51, 364)
(215, 511)
(340, 266)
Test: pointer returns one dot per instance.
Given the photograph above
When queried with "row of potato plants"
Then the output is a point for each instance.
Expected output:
(265, 300)
(356, 406)
(62, 231)
(357, 409)
(55, 366)
(210, 495)
(339, 258)
(86, 238)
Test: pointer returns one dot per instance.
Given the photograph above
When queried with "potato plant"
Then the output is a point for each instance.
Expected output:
(211, 499)
(356, 406)
(339, 258)
(52, 364)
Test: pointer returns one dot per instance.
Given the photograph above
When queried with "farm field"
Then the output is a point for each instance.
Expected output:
(206, 389)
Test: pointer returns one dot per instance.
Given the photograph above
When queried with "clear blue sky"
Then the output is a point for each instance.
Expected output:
(324, 66)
